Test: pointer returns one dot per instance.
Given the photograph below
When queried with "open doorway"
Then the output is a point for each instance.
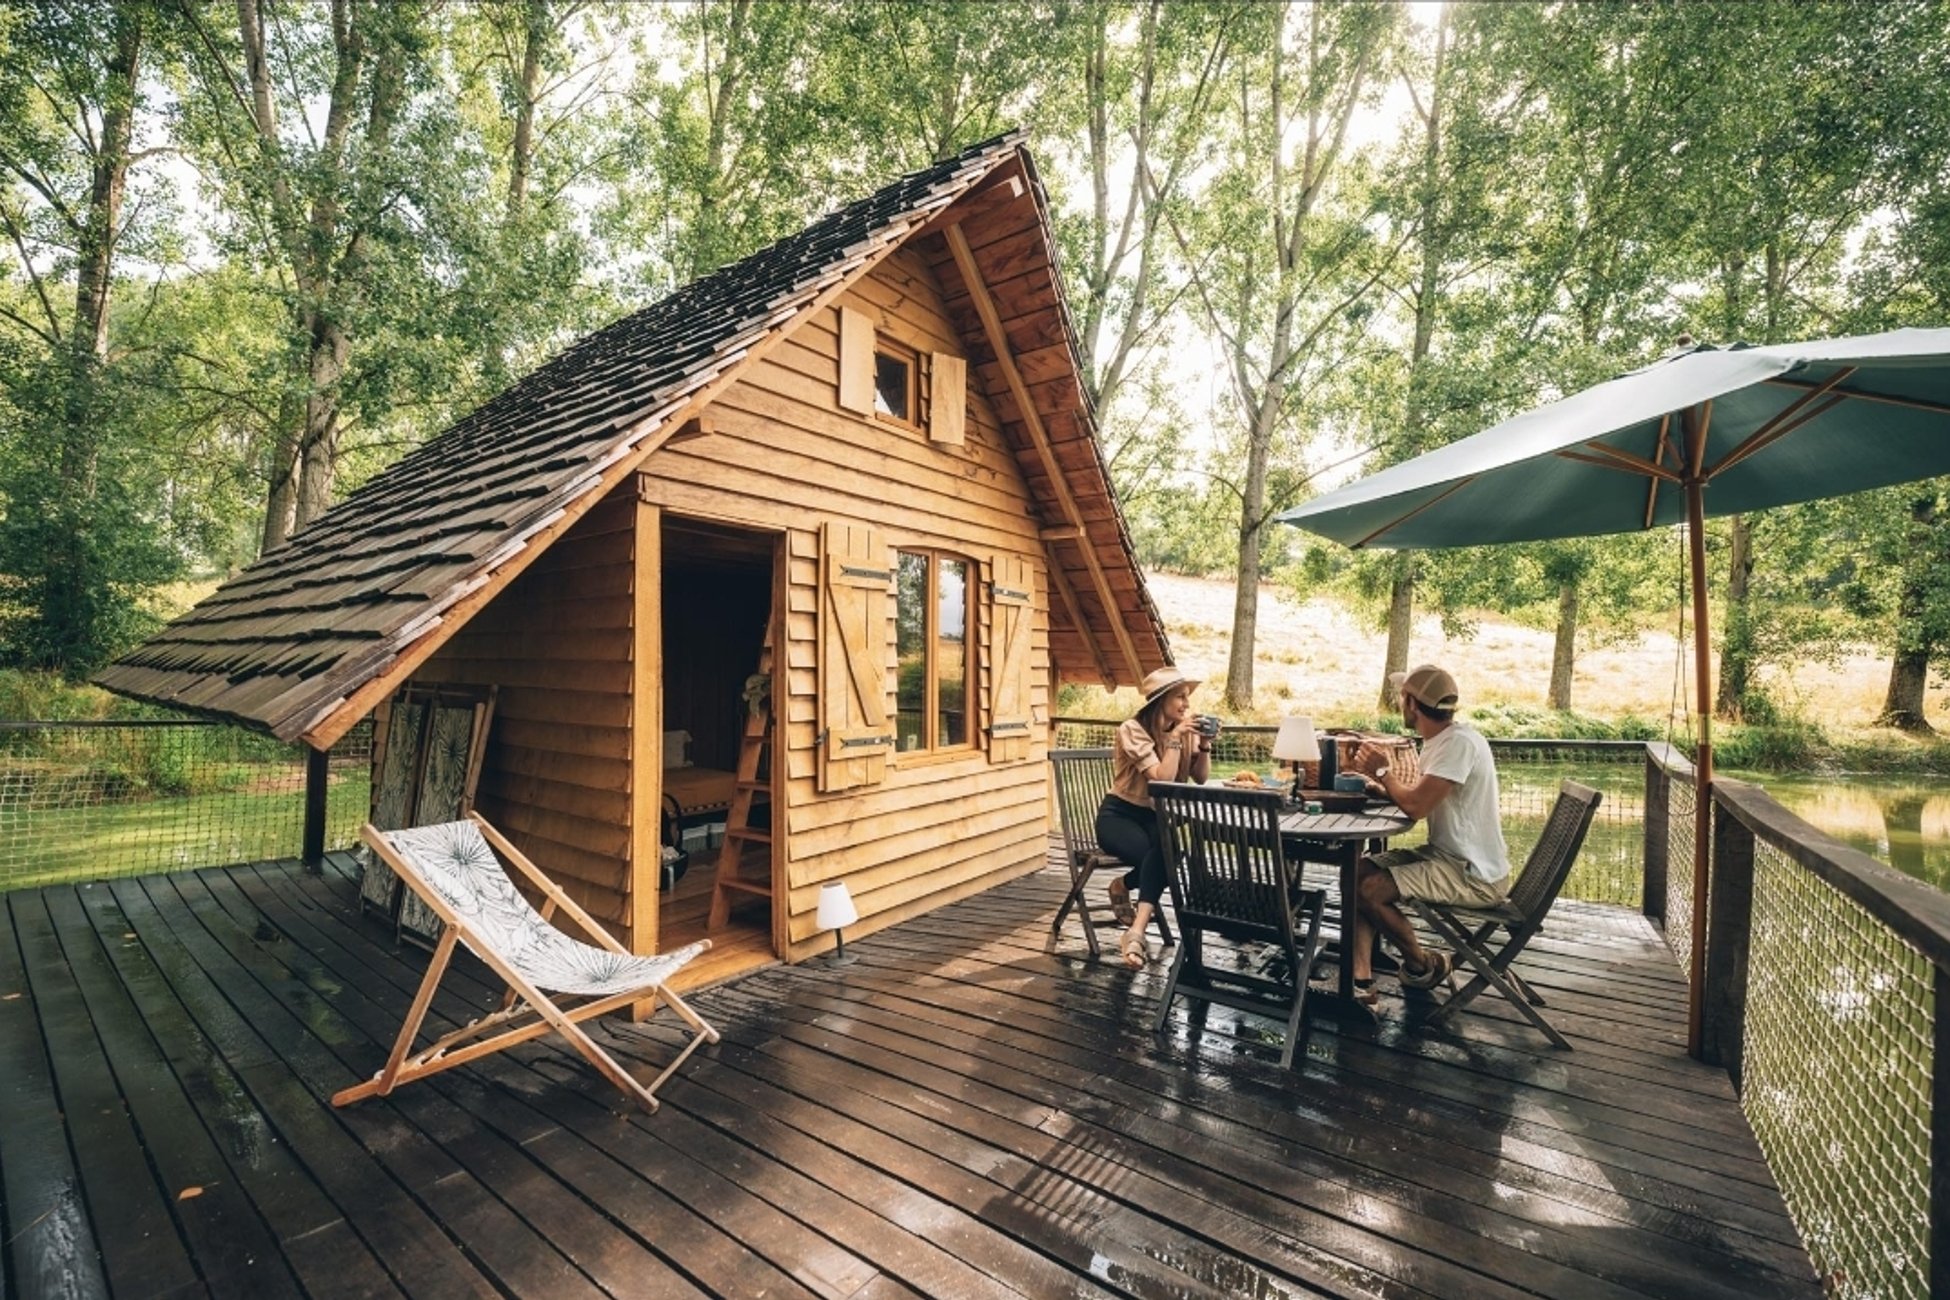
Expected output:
(719, 589)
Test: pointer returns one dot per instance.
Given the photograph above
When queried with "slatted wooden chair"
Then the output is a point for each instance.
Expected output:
(1470, 930)
(1082, 780)
(1230, 878)
(452, 867)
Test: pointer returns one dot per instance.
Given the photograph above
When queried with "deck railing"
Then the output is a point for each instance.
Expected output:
(93, 800)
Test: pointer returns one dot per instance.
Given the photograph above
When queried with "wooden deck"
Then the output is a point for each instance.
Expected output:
(958, 1113)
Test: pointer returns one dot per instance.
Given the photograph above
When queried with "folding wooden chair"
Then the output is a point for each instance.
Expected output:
(1230, 877)
(1082, 781)
(1469, 929)
(453, 868)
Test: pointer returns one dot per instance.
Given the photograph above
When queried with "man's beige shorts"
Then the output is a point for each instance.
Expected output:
(1430, 874)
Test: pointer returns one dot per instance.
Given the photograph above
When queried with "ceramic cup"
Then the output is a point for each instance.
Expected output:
(1350, 782)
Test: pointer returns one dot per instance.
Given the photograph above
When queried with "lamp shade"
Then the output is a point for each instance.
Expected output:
(1296, 742)
(835, 906)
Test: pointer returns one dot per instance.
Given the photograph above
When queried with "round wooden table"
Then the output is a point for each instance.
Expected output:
(1343, 838)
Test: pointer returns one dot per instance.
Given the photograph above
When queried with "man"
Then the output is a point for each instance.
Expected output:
(1465, 860)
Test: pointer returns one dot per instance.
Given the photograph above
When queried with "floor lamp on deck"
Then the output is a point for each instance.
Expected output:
(836, 911)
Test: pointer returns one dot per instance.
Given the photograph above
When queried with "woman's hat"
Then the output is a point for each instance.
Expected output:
(1159, 680)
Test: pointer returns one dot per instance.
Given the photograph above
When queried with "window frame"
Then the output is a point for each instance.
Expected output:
(911, 358)
(932, 748)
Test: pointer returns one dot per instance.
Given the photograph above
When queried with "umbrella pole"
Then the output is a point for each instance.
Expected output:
(1702, 767)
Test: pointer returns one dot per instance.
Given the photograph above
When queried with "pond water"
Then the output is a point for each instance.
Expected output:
(1903, 821)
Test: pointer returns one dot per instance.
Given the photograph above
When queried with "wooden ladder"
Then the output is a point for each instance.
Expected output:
(754, 790)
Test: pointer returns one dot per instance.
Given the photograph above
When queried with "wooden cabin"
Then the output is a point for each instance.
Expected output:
(861, 457)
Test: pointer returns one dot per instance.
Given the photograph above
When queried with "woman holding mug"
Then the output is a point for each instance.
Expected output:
(1164, 742)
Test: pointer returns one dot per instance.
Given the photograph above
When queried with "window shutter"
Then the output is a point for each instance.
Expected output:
(855, 639)
(948, 402)
(856, 361)
(1011, 610)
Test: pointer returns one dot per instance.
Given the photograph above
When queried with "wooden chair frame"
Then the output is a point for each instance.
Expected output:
(1230, 877)
(1082, 779)
(1468, 930)
(526, 1011)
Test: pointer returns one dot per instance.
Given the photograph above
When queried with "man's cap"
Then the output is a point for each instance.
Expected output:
(1159, 680)
(1428, 685)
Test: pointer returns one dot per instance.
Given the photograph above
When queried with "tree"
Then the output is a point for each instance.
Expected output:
(324, 209)
(77, 544)
(1278, 265)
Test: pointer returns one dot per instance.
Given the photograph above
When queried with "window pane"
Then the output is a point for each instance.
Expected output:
(890, 386)
(951, 651)
(911, 644)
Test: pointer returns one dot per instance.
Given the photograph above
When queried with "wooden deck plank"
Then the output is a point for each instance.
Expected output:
(966, 1109)
(49, 1248)
(133, 1227)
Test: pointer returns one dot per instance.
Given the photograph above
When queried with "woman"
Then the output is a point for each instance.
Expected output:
(1162, 743)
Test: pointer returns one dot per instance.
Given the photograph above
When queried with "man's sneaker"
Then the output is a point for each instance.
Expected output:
(1431, 975)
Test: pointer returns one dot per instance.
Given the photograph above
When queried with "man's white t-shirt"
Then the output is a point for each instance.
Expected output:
(1465, 823)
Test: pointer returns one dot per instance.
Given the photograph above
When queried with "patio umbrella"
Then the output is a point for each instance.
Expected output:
(1703, 431)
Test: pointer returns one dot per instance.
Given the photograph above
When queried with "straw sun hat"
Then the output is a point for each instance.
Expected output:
(1159, 680)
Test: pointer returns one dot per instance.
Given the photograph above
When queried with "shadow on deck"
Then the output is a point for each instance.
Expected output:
(958, 1113)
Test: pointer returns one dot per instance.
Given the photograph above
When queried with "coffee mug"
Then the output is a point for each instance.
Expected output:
(1206, 725)
(1350, 782)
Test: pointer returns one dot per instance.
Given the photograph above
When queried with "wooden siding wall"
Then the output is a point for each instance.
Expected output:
(785, 457)
(558, 642)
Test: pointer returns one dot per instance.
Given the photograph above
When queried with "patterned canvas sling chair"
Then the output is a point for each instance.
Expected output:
(453, 868)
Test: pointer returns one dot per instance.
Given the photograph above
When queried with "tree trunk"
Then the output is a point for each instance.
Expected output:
(1909, 673)
(1737, 641)
(1401, 619)
(1564, 649)
(522, 154)
(1252, 530)
(319, 450)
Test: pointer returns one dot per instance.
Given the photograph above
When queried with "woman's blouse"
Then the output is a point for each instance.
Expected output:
(1136, 761)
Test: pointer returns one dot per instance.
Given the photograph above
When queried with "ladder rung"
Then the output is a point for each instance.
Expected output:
(753, 834)
(747, 886)
(757, 786)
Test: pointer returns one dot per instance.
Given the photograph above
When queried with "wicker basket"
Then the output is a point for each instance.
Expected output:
(1404, 760)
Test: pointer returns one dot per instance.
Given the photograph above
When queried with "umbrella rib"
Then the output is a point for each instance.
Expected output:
(1914, 403)
(1658, 458)
(1783, 422)
(1772, 434)
(1613, 458)
(1458, 485)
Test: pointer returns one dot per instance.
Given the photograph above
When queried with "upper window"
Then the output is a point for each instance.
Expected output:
(894, 374)
(931, 620)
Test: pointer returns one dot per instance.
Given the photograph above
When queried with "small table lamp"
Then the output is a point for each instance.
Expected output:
(836, 910)
(1296, 744)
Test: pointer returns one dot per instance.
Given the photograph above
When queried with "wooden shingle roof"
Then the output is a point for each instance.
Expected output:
(304, 641)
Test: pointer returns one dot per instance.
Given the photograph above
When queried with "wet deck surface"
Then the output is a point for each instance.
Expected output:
(959, 1112)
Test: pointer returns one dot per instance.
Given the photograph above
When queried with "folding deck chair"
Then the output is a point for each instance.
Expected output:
(1231, 878)
(1082, 781)
(1469, 929)
(453, 868)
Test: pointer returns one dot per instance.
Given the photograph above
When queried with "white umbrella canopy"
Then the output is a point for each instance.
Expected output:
(1704, 431)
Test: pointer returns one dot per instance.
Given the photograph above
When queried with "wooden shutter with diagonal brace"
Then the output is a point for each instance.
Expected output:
(1011, 613)
(855, 630)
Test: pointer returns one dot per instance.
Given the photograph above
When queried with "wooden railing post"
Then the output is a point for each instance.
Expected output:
(317, 774)
(1658, 839)
(1723, 1013)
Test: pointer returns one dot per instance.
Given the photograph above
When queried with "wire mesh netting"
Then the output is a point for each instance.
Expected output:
(1681, 804)
(1837, 1078)
(87, 801)
(1610, 867)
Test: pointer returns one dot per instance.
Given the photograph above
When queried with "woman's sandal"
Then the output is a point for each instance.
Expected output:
(1135, 951)
(1120, 902)
(1367, 994)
